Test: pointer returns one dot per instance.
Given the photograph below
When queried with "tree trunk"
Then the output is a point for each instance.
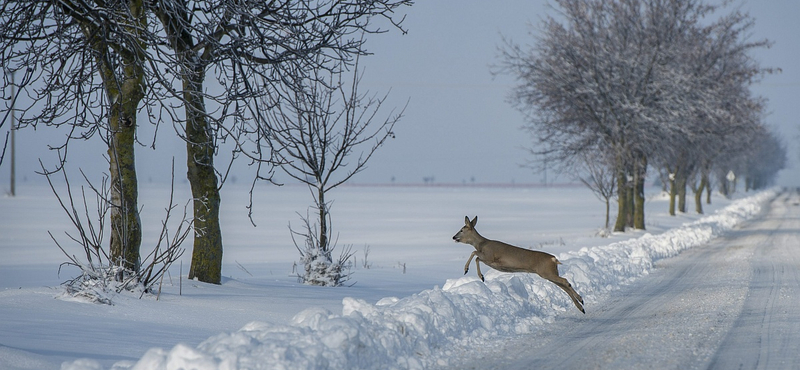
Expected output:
(698, 195)
(125, 89)
(723, 185)
(323, 217)
(638, 212)
(206, 263)
(681, 184)
(126, 231)
(622, 201)
(638, 195)
(631, 207)
(705, 180)
(673, 192)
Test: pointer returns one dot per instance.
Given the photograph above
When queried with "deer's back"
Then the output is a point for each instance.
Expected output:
(508, 258)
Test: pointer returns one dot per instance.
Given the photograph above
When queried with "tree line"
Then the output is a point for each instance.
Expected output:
(218, 72)
(612, 88)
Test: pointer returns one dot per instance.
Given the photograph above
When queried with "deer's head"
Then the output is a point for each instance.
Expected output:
(467, 233)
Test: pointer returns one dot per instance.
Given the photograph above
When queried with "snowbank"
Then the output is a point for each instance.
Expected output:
(416, 332)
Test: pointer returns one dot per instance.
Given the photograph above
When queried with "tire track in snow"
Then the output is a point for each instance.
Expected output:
(765, 334)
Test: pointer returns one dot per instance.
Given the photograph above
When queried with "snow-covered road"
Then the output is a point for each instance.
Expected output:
(732, 304)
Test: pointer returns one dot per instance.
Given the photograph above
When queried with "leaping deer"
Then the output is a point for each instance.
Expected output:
(508, 258)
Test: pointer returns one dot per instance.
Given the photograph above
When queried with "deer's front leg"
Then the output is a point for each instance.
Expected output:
(466, 267)
(478, 267)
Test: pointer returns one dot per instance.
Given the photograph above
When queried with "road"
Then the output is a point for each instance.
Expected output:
(732, 304)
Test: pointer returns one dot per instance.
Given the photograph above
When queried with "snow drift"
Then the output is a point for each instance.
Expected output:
(416, 332)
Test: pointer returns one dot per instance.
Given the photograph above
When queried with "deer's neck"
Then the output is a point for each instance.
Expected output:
(478, 242)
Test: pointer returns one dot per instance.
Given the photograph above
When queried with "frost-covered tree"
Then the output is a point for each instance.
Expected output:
(601, 77)
(721, 109)
(766, 157)
(632, 76)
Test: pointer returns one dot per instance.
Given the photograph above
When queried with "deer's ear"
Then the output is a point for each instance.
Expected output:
(466, 220)
(474, 221)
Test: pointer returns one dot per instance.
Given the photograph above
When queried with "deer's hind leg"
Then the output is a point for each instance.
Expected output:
(567, 287)
(477, 265)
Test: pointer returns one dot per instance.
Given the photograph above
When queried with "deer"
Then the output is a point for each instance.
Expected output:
(508, 258)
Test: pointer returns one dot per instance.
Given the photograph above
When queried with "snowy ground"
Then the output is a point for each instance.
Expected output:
(729, 304)
(410, 309)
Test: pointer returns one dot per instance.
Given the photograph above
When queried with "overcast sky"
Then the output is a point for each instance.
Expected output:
(458, 126)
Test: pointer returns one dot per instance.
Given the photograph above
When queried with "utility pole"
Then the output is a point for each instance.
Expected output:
(13, 160)
(545, 172)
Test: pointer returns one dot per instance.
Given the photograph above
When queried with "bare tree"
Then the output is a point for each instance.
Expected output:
(250, 49)
(599, 176)
(81, 65)
(317, 132)
(99, 63)
(100, 275)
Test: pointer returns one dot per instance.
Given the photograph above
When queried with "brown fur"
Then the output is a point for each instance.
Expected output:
(508, 258)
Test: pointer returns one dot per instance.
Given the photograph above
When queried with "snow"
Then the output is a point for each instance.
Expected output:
(407, 311)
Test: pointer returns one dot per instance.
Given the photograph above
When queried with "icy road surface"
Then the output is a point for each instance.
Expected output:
(733, 304)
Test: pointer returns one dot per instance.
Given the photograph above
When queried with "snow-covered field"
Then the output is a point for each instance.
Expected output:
(408, 309)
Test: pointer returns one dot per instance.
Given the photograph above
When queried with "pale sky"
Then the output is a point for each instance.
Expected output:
(458, 127)
(459, 124)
